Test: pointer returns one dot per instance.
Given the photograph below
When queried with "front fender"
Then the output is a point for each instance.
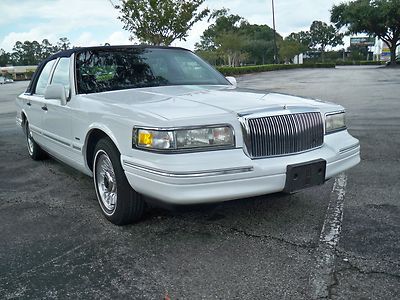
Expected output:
(105, 130)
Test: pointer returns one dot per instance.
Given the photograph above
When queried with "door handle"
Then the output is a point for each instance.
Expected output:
(44, 107)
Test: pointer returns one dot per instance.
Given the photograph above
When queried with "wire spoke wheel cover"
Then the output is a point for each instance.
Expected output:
(105, 182)
(119, 202)
(29, 140)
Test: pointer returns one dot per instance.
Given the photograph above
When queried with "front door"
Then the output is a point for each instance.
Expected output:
(34, 104)
(56, 120)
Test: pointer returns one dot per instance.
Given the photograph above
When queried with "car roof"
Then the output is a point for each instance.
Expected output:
(69, 52)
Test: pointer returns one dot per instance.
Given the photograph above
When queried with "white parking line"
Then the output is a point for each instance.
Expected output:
(322, 275)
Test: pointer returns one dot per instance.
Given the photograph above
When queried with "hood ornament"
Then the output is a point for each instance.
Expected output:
(285, 106)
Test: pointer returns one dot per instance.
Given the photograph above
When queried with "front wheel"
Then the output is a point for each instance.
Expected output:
(119, 202)
(34, 150)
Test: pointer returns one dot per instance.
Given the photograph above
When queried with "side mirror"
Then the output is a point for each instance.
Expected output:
(232, 80)
(56, 91)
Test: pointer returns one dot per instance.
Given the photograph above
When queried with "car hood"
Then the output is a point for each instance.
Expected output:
(177, 102)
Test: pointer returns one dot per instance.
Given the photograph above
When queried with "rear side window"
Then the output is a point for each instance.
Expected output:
(61, 73)
(43, 80)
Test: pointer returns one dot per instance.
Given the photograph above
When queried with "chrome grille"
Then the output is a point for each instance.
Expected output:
(283, 134)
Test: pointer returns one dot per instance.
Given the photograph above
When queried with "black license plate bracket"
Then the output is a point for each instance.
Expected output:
(305, 175)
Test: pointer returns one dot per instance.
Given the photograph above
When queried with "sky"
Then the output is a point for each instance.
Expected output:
(94, 22)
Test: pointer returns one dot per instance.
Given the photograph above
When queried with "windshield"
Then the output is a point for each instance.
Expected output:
(110, 69)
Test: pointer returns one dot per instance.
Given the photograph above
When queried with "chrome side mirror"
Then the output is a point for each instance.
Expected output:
(56, 91)
(232, 80)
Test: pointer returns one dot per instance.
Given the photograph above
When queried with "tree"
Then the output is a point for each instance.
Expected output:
(232, 45)
(63, 44)
(377, 17)
(323, 35)
(4, 57)
(32, 52)
(212, 57)
(224, 23)
(160, 22)
(47, 49)
(289, 48)
(26, 53)
(294, 44)
(234, 40)
(302, 37)
(260, 46)
(358, 52)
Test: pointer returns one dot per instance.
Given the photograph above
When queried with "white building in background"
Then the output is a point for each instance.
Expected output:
(382, 51)
(298, 59)
(18, 72)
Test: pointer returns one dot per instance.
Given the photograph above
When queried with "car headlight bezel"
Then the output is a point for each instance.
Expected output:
(335, 121)
(169, 140)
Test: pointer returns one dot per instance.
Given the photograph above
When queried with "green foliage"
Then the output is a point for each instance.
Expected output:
(358, 52)
(31, 53)
(260, 45)
(63, 44)
(323, 35)
(227, 71)
(377, 17)
(289, 48)
(4, 57)
(302, 37)
(318, 38)
(160, 22)
(211, 56)
(102, 72)
(233, 41)
(232, 45)
(359, 63)
(223, 24)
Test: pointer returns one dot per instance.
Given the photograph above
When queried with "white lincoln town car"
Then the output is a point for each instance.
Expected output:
(160, 122)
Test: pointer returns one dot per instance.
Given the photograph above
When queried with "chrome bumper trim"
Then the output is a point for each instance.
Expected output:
(189, 174)
(350, 148)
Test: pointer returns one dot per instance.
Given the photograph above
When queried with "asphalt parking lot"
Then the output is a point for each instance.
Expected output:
(337, 241)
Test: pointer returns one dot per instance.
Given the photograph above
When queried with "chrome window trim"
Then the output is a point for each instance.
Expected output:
(55, 62)
(189, 174)
(69, 75)
(184, 150)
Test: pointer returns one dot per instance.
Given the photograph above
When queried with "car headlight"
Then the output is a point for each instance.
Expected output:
(335, 122)
(185, 139)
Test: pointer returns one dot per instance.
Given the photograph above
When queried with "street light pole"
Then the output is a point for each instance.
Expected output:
(273, 22)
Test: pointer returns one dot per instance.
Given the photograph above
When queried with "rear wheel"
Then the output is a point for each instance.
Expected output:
(34, 150)
(119, 202)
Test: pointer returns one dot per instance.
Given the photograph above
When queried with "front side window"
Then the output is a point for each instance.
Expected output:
(43, 80)
(117, 69)
(61, 73)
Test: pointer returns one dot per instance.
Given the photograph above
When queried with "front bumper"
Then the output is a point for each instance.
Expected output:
(229, 174)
